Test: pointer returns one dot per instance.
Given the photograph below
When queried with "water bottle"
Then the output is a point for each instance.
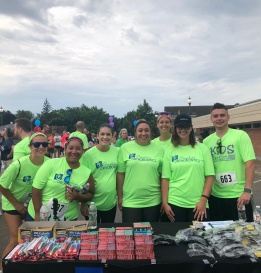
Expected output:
(242, 213)
(257, 213)
(92, 216)
(44, 213)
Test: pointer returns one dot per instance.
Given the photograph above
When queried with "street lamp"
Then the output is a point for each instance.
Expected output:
(189, 103)
(1, 112)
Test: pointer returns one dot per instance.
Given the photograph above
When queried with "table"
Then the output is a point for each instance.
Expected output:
(169, 258)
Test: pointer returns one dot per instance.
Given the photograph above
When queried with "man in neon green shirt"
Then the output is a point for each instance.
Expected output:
(233, 156)
(79, 133)
(22, 130)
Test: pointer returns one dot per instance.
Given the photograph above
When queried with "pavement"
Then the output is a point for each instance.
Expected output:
(258, 167)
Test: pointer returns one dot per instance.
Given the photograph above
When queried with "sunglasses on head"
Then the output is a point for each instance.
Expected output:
(38, 144)
(67, 178)
(164, 113)
(219, 146)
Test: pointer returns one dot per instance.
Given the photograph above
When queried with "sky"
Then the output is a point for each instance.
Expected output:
(113, 54)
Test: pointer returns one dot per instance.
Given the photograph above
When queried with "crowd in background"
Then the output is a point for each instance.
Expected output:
(174, 177)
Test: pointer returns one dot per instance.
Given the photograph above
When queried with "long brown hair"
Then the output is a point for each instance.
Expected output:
(176, 140)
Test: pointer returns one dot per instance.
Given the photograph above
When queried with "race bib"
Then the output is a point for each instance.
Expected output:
(226, 178)
(61, 210)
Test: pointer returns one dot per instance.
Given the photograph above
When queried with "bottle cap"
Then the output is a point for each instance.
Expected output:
(92, 203)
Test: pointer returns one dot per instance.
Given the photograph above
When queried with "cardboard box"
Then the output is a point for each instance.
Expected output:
(29, 230)
(65, 229)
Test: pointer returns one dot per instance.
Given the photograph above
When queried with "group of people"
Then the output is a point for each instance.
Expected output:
(171, 178)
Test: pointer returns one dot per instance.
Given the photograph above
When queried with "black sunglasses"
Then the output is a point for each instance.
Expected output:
(219, 146)
(67, 178)
(38, 144)
(185, 127)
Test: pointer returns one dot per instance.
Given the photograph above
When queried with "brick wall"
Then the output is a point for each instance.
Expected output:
(255, 135)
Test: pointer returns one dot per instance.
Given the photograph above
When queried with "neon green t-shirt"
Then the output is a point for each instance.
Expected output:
(82, 136)
(21, 185)
(21, 148)
(142, 167)
(103, 166)
(186, 169)
(230, 163)
(120, 142)
(50, 178)
(163, 144)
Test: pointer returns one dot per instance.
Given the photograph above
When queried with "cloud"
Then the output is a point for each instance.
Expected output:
(104, 52)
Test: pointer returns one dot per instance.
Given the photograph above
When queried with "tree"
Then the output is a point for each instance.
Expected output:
(24, 114)
(47, 108)
(144, 111)
(45, 114)
(7, 117)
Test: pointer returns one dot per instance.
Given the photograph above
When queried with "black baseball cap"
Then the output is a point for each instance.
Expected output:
(182, 120)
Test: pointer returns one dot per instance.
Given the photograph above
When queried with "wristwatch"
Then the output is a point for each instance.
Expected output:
(248, 190)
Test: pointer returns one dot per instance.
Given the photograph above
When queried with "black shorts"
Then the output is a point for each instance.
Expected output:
(51, 150)
(12, 212)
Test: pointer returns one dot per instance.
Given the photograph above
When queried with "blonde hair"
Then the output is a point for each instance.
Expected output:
(35, 135)
(123, 129)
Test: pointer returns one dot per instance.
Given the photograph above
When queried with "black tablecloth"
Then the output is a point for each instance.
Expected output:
(169, 258)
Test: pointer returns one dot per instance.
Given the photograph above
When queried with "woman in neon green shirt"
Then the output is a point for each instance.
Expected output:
(138, 178)
(164, 124)
(63, 179)
(123, 137)
(102, 161)
(16, 186)
(187, 175)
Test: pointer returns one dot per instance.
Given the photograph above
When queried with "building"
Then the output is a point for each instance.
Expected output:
(245, 116)
(193, 111)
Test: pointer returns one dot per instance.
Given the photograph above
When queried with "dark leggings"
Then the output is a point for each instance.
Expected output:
(182, 214)
(149, 214)
(107, 216)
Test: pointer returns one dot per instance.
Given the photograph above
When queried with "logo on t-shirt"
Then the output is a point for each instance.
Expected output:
(226, 153)
(98, 165)
(28, 180)
(141, 158)
(105, 166)
(132, 156)
(176, 158)
(58, 176)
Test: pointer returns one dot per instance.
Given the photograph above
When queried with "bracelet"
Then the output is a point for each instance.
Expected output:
(203, 195)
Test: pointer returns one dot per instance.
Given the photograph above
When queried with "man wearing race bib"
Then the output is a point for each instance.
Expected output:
(233, 156)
